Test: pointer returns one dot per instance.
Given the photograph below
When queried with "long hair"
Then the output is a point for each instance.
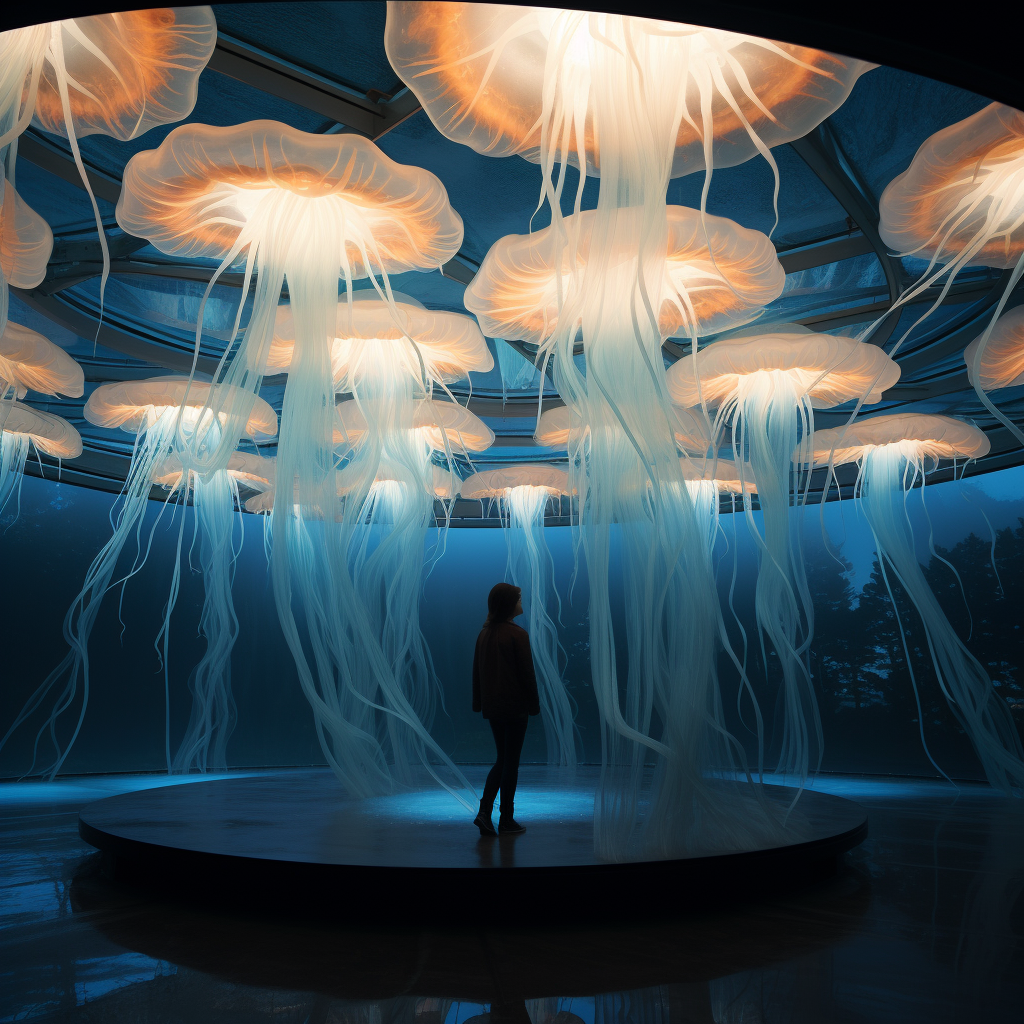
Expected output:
(501, 603)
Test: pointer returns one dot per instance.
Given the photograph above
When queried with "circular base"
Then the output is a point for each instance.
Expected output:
(297, 833)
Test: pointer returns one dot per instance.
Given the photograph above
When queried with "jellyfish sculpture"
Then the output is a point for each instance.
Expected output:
(214, 500)
(523, 494)
(385, 527)
(26, 242)
(766, 385)
(311, 210)
(30, 362)
(895, 453)
(995, 359)
(624, 295)
(959, 205)
(596, 90)
(22, 427)
(110, 74)
(159, 412)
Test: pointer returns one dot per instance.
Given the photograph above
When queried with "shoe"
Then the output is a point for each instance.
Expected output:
(510, 827)
(483, 822)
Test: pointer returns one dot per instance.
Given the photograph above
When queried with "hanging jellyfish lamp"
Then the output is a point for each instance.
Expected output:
(22, 428)
(157, 411)
(766, 384)
(894, 454)
(109, 74)
(536, 81)
(995, 359)
(31, 362)
(312, 210)
(214, 499)
(960, 204)
(556, 429)
(523, 494)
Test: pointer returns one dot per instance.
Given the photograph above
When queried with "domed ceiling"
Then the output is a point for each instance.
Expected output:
(321, 67)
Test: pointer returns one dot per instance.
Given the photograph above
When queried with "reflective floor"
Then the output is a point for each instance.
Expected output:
(924, 923)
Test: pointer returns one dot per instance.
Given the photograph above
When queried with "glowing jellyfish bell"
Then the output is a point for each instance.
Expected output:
(960, 204)
(766, 383)
(436, 426)
(711, 281)
(111, 74)
(373, 337)
(523, 494)
(26, 242)
(307, 208)
(548, 83)
(559, 428)
(30, 362)
(895, 453)
(995, 359)
(155, 410)
(21, 428)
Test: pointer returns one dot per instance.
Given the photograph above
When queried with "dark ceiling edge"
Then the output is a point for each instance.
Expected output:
(968, 51)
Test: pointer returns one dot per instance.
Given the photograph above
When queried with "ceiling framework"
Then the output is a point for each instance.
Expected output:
(372, 115)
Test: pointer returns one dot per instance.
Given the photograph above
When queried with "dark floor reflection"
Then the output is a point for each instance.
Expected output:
(925, 922)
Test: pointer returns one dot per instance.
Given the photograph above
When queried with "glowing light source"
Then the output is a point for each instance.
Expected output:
(767, 384)
(112, 74)
(717, 275)
(309, 209)
(22, 427)
(894, 453)
(995, 359)
(506, 79)
(28, 361)
(163, 412)
(960, 204)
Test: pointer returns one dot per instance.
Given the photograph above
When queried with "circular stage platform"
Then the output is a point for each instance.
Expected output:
(295, 835)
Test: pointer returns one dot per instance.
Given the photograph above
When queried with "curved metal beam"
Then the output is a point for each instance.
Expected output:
(820, 150)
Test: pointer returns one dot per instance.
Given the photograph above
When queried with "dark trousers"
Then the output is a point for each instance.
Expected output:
(509, 734)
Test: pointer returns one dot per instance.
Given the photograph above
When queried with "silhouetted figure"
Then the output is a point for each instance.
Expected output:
(505, 690)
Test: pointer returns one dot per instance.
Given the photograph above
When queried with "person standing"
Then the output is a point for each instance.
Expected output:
(505, 692)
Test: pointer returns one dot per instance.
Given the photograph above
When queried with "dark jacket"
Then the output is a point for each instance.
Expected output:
(504, 683)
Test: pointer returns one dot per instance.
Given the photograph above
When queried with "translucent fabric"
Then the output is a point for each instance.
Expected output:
(28, 361)
(935, 437)
(724, 473)
(705, 288)
(51, 434)
(131, 405)
(253, 471)
(496, 483)
(894, 453)
(998, 362)
(198, 193)
(122, 73)
(26, 242)
(555, 429)
(505, 79)
(445, 426)
(445, 347)
(829, 369)
(963, 195)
